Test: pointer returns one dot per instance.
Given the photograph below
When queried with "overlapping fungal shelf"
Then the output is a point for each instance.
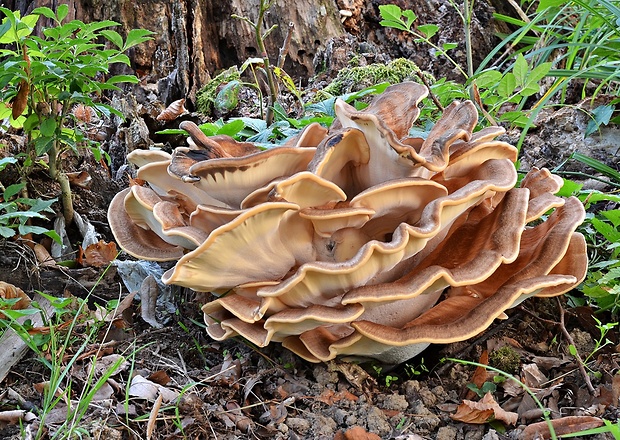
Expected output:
(357, 240)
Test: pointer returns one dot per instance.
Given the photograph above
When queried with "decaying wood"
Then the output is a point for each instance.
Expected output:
(12, 347)
(196, 38)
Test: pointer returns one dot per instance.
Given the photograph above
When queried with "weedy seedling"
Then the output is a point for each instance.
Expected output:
(44, 77)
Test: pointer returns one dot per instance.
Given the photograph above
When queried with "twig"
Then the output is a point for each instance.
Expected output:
(569, 339)
(430, 92)
(285, 46)
(519, 11)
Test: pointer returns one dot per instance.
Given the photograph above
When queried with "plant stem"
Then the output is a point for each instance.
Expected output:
(285, 46)
(65, 189)
(468, 9)
(263, 54)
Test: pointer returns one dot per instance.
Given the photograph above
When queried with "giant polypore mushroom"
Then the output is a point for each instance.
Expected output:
(360, 240)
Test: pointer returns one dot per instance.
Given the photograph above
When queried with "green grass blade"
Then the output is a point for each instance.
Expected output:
(596, 165)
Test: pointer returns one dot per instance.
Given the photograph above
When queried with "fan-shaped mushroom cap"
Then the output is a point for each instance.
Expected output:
(135, 240)
(260, 234)
(360, 241)
(143, 157)
(231, 180)
(304, 189)
(216, 146)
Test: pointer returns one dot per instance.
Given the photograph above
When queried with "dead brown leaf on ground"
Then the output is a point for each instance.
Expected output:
(483, 411)
(563, 426)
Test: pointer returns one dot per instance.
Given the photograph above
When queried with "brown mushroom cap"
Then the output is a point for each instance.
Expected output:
(135, 240)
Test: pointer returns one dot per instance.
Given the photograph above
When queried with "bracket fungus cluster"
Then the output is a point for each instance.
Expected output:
(358, 240)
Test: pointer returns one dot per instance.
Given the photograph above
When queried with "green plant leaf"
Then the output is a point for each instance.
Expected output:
(29, 229)
(11, 190)
(45, 11)
(610, 233)
(597, 165)
(429, 30)
(19, 215)
(4, 28)
(390, 12)
(516, 118)
(613, 215)
(610, 277)
(54, 236)
(114, 37)
(99, 25)
(507, 85)
(538, 73)
(6, 232)
(572, 350)
(490, 78)
(449, 46)
(231, 128)
(545, 4)
(48, 127)
(227, 98)
(600, 116)
(137, 36)
(62, 11)
(123, 79)
(520, 70)
(410, 17)
(6, 161)
(569, 188)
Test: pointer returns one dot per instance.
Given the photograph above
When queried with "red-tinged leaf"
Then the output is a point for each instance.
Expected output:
(356, 433)
(481, 374)
(100, 254)
(160, 377)
(20, 102)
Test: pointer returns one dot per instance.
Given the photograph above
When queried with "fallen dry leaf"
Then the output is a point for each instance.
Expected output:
(83, 113)
(100, 254)
(20, 102)
(356, 433)
(160, 377)
(480, 375)
(329, 396)
(483, 411)
(148, 301)
(276, 414)
(80, 178)
(9, 291)
(146, 389)
(150, 427)
(43, 256)
(563, 426)
(234, 415)
(16, 416)
(532, 376)
(173, 111)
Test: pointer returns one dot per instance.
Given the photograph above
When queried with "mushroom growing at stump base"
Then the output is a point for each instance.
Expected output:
(358, 240)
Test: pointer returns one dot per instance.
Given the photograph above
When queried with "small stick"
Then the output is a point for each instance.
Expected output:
(285, 46)
(430, 93)
(569, 339)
